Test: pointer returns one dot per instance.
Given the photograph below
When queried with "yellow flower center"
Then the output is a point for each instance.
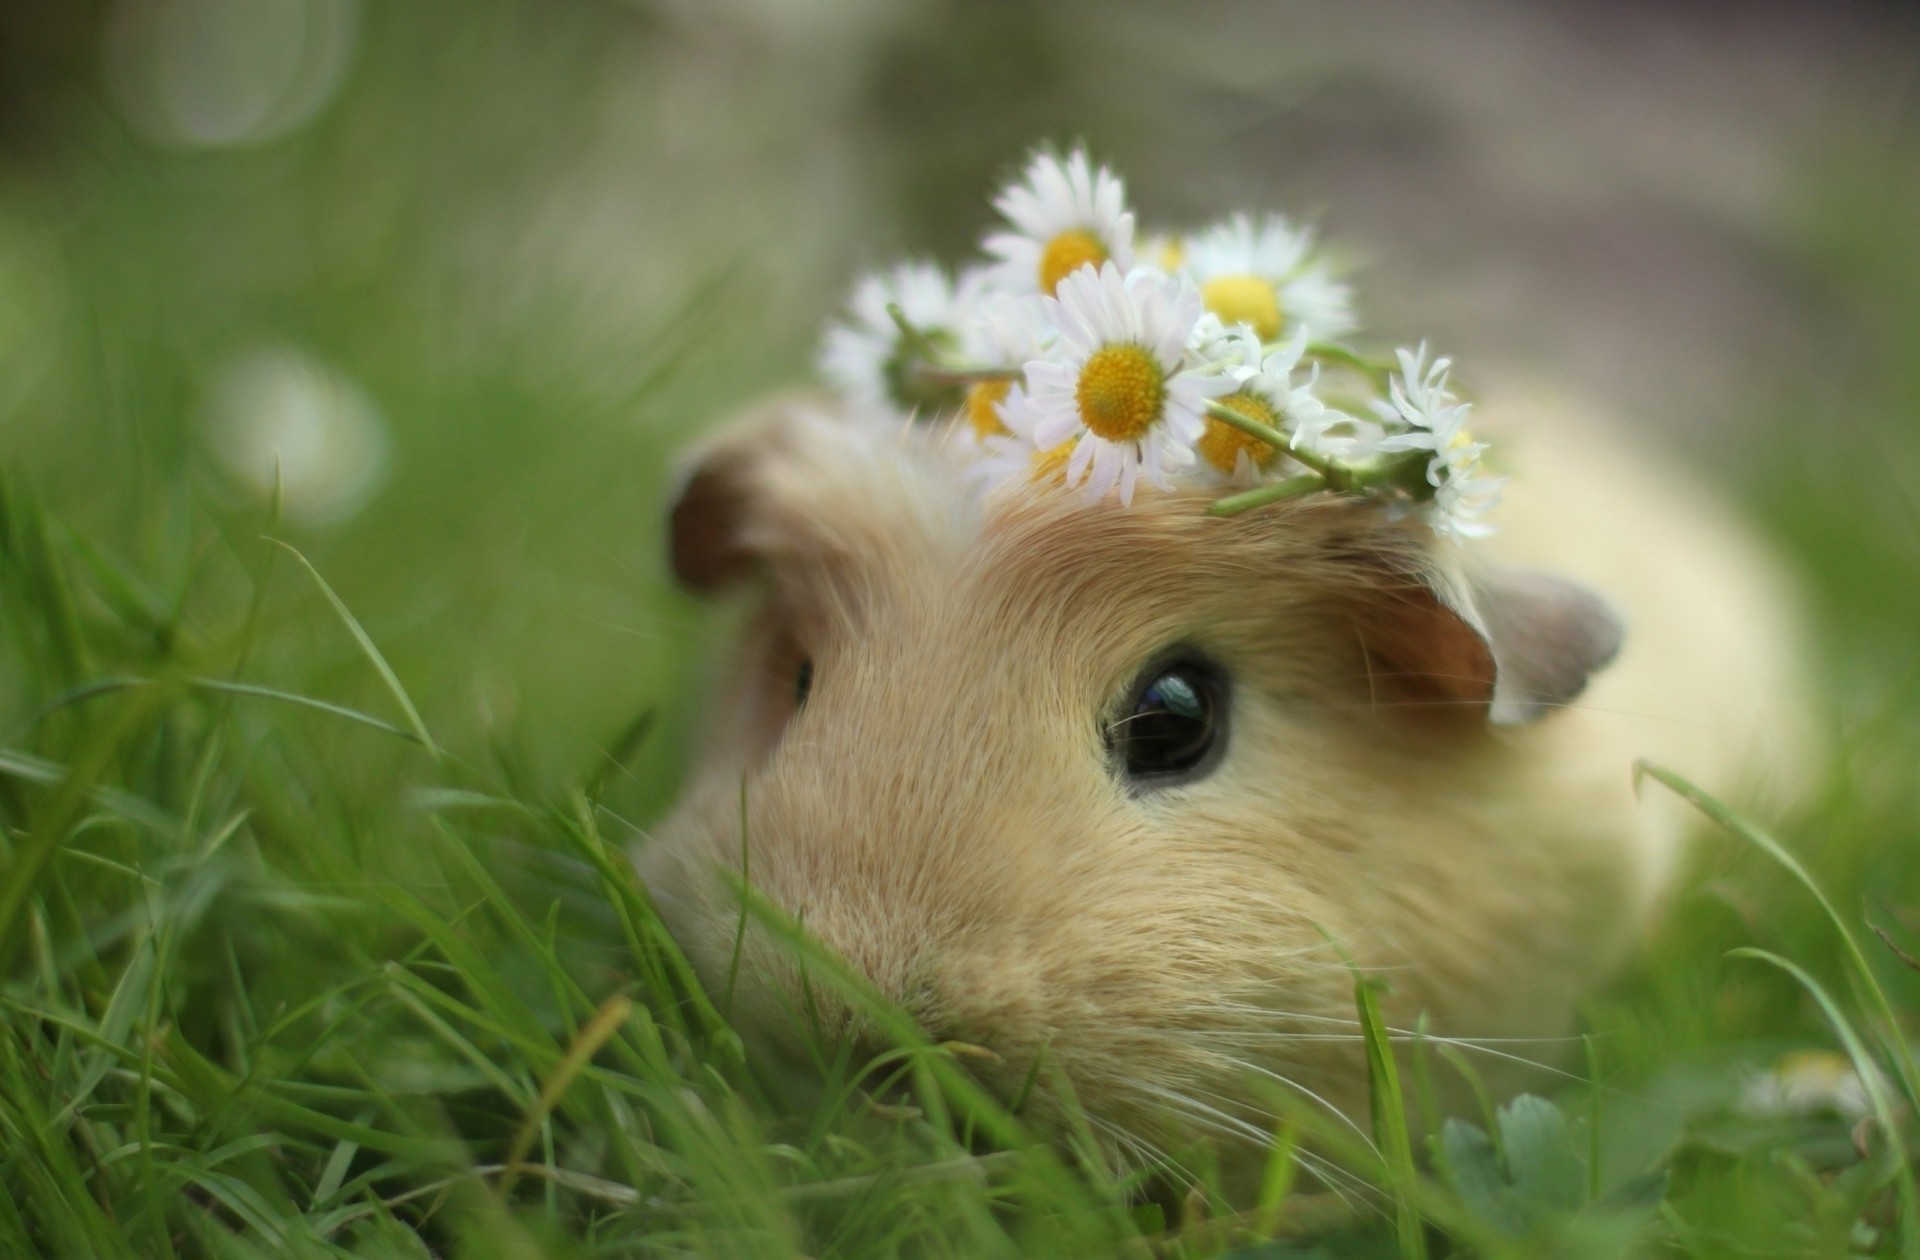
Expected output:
(1121, 393)
(1066, 254)
(1050, 466)
(1245, 300)
(983, 407)
(1221, 444)
(1460, 439)
(1170, 253)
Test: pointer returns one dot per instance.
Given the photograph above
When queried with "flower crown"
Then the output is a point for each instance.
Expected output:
(1080, 356)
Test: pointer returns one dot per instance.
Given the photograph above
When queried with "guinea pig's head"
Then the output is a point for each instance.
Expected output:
(1127, 791)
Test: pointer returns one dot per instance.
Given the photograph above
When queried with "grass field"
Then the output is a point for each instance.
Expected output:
(317, 933)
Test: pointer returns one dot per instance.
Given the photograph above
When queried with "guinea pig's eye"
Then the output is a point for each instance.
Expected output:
(802, 682)
(1173, 725)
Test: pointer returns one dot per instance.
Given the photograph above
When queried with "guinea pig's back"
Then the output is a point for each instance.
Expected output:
(1710, 681)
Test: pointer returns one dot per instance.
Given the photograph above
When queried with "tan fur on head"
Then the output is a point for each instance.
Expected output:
(943, 813)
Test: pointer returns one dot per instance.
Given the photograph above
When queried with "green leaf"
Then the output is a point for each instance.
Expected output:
(1472, 1165)
(1638, 1194)
(1542, 1159)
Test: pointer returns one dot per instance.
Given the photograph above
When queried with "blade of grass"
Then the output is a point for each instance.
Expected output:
(368, 648)
(305, 702)
(33, 855)
(1276, 1182)
(1390, 1120)
(1906, 960)
(654, 950)
(130, 597)
(1896, 1045)
(33, 769)
(43, 585)
(594, 1034)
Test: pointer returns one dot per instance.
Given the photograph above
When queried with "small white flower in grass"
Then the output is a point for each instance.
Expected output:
(1807, 1082)
(871, 360)
(1119, 384)
(1265, 274)
(280, 419)
(1436, 421)
(1065, 215)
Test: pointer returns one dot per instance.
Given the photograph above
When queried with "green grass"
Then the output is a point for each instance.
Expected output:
(317, 929)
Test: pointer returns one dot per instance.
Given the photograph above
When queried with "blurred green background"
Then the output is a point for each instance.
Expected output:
(473, 272)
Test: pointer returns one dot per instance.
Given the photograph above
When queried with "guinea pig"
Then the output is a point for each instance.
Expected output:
(1137, 789)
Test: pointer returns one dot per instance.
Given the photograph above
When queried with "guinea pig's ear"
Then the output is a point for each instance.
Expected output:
(1519, 642)
(703, 528)
(719, 491)
(1548, 636)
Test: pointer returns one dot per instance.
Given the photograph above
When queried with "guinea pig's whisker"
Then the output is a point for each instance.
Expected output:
(640, 833)
(1266, 1015)
(646, 636)
(1331, 1176)
(1132, 717)
(1410, 1038)
(1479, 1045)
(1213, 1117)
(1214, 1120)
(1252, 1036)
(1374, 702)
(1143, 1153)
(1295, 1086)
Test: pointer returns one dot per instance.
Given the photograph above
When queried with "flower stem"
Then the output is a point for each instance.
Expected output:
(1333, 474)
(964, 373)
(1328, 352)
(1402, 470)
(1291, 488)
(931, 364)
(917, 341)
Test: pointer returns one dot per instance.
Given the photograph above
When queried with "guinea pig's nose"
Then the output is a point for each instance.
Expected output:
(865, 1039)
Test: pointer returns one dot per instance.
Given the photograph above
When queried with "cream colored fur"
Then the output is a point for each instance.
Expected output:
(942, 813)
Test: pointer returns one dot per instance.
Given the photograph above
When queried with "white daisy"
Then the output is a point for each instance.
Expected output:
(1161, 249)
(1462, 499)
(871, 361)
(1266, 275)
(1065, 215)
(1436, 421)
(1231, 347)
(1419, 401)
(1120, 384)
(1010, 458)
(1264, 389)
(1005, 332)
